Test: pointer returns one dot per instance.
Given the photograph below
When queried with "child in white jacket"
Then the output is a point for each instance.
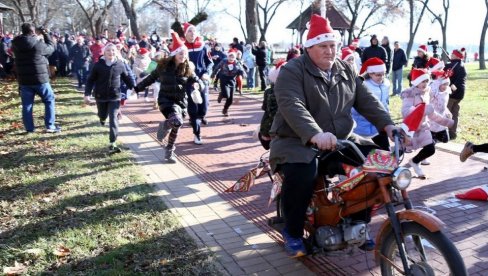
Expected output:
(439, 96)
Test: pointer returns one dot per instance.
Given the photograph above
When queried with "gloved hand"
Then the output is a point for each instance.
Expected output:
(324, 141)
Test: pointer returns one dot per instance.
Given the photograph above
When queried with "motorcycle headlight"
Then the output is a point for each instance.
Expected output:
(402, 178)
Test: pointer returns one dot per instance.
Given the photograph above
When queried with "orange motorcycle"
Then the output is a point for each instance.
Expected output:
(409, 242)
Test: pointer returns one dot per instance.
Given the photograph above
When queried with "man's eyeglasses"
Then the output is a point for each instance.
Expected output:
(378, 74)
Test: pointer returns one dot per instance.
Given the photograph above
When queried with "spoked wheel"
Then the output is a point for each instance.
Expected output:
(428, 253)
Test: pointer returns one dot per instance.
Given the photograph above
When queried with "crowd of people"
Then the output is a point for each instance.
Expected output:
(313, 97)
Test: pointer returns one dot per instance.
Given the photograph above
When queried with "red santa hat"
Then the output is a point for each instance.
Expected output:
(435, 64)
(177, 45)
(478, 193)
(274, 72)
(319, 31)
(459, 53)
(441, 76)
(355, 42)
(232, 51)
(413, 120)
(423, 48)
(373, 65)
(187, 26)
(143, 51)
(419, 75)
(347, 53)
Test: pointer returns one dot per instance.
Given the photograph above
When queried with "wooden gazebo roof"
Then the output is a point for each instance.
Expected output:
(337, 20)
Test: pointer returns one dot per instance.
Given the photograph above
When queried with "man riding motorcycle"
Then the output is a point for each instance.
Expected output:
(315, 93)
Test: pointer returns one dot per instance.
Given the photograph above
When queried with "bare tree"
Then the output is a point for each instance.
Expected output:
(370, 12)
(176, 7)
(265, 14)
(442, 19)
(238, 18)
(96, 14)
(251, 21)
(482, 39)
(39, 12)
(414, 10)
(130, 12)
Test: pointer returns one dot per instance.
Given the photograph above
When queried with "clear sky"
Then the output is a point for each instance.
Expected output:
(464, 25)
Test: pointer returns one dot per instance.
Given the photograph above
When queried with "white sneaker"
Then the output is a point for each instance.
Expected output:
(198, 140)
(425, 162)
(146, 99)
(417, 169)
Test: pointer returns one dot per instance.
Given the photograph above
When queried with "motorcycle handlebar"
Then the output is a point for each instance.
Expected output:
(340, 145)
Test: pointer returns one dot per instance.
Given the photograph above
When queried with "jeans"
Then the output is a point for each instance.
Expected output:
(27, 94)
(250, 78)
(453, 106)
(262, 75)
(198, 111)
(397, 81)
(81, 74)
(110, 110)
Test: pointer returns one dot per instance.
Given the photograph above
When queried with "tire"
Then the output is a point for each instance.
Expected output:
(443, 258)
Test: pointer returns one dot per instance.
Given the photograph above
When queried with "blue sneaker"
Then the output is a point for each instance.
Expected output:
(293, 246)
(368, 245)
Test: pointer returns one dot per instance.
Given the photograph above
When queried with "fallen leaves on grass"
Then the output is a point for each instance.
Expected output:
(61, 251)
(17, 269)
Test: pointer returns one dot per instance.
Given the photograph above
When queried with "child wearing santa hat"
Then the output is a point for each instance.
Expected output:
(175, 73)
(439, 96)
(227, 71)
(421, 138)
(351, 57)
(270, 106)
(374, 71)
(141, 63)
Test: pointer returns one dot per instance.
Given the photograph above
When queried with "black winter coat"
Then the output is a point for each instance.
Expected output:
(79, 54)
(31, 58)
(399, 59)
(388, 57)
(374, 51)
(106, 80)
(458, 78)
(172, 89)
(260, 54)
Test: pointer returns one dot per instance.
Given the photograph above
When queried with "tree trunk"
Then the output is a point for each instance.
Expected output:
(413, 31)
(251, 21)
(482, 40)
(131, 14)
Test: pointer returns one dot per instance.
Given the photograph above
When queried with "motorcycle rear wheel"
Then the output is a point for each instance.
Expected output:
(442, 257)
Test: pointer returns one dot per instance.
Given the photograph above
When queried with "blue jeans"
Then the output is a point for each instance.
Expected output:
(110, 109)
(81, 71)
(250, 77)
(27, 94)
(397, 81)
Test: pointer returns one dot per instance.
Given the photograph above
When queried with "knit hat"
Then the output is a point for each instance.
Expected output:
(373, 65)
(319, 31)
(347, 53)
(143, 51)
(423, 48)
(274, 72)
(187, 26)
(413, 120)
(435, 64)
(419, 75)
(177, 45)
(459, 53)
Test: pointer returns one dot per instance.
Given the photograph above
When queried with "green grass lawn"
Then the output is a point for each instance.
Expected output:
(61, 192)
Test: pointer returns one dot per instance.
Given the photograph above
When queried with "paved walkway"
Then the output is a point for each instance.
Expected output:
(234, 225)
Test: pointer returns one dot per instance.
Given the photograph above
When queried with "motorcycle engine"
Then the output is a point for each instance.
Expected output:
(336, 238)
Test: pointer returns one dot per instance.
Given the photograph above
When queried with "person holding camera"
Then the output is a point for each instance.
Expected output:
(31, 54)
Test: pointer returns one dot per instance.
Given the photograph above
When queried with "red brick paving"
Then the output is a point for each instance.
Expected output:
(230, 150)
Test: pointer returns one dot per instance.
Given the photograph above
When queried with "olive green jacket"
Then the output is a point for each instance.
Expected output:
(309, 103)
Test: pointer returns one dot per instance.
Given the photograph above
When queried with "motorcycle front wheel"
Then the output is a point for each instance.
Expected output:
(439, 257)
